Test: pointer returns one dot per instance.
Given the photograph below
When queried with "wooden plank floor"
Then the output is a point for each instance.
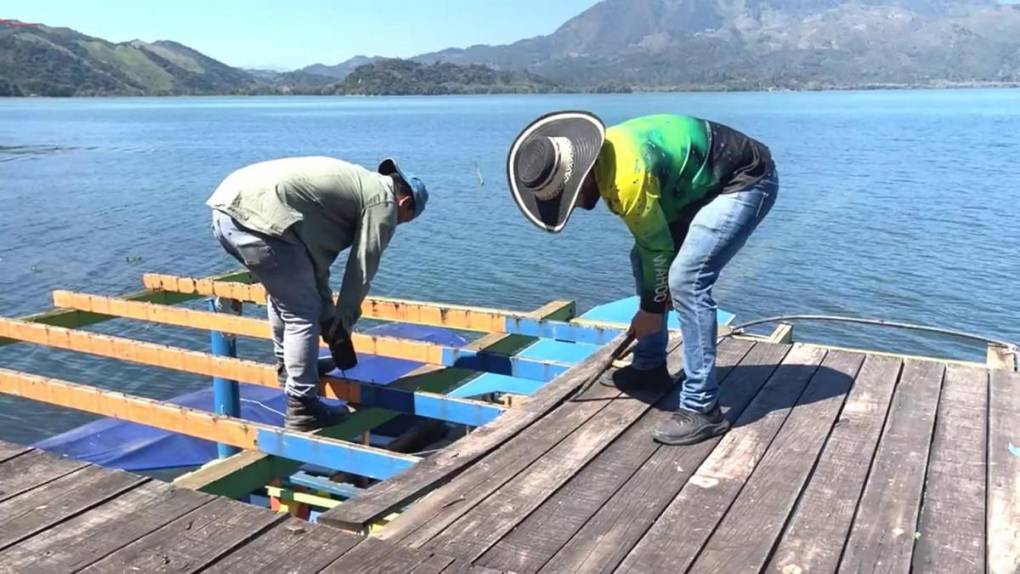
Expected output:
(837, 462)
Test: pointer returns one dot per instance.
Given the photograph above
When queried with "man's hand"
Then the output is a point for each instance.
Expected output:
(644, 323)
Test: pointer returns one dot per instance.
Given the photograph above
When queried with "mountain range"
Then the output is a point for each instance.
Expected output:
(616, 44)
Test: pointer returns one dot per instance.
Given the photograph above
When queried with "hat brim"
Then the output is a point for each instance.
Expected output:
(389, 166)
(586, 133)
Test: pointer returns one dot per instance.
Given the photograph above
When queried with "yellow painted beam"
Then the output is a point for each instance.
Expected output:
(382, 308)
(411, 350)
(288, 495)
(141, 410)
(164, 356)
(248, 435)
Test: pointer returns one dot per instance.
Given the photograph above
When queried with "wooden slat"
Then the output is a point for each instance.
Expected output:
(374, 556)
(510, 496)
(883, 532)
(621, 522)
(293, 546)
(91, 536)
(543, 532)
(746, 535)
(952, 526)
(10, 450)
(245, 434)
(1004, 473)
(246, 471)
(435, 564)
(75, 319)
(674, 541)
(419, 312)
(54, 502)
(440, 468)
(814, 538)
(429, 516)
(32, 469)
(192, 541)
(407, 349)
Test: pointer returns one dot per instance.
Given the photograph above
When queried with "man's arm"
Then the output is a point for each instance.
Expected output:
(376, 228)
(654, 245)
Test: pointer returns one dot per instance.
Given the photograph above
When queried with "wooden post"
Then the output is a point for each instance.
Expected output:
(783, 334)
(1002, 357)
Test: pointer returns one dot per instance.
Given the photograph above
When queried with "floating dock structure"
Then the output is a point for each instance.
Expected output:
(839, 460)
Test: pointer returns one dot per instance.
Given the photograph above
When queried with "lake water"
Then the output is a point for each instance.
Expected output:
(896, 205)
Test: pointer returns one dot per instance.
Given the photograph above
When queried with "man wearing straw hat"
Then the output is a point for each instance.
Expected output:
(287, 220)
(691, 192)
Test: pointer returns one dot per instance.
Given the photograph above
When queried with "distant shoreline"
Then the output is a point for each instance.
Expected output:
(631, 90)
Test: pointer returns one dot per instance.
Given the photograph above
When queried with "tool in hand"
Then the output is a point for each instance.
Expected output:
(340, 346)
(606, 363)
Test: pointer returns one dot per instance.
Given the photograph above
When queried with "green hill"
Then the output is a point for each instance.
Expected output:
(403, 77)
(44, 61)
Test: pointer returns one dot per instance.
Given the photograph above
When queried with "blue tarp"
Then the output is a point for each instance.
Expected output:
(135, 447)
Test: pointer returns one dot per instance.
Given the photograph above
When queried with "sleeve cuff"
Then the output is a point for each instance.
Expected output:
(650, 305)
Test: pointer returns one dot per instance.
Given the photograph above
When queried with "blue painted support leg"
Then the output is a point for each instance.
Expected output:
(226, 398)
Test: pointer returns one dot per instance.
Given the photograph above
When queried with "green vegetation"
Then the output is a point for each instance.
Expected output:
(404, 77)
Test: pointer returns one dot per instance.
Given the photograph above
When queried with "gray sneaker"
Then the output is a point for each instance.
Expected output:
(691, 427)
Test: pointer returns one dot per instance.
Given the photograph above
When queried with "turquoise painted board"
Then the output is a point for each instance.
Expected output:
(623, 310)
(559, 351)
(496, 383)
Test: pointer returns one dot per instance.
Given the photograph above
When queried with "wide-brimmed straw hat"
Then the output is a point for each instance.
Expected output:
(549, 161)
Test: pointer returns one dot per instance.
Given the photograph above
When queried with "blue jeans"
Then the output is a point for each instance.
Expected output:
(293, 303)
(717, 232)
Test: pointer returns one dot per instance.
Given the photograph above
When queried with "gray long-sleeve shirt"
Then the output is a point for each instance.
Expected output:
(329, 205)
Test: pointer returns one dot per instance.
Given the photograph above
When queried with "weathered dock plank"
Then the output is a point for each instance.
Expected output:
(744, 539)
(951, 534)
(814, 538)
(293, 546)
(1004, 473)
(496, 513)
(32, 469)
(672, 544)
(192, 541)
(542, 533)
(444, 466)
(607, 538)
(883, 534)
(45, 506)
(374, 556)
(10, 450)
(76, 543)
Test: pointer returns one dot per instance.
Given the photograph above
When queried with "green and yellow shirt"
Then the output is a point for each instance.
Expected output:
(655, 172)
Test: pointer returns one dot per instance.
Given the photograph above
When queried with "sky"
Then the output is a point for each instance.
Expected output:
(293, 34)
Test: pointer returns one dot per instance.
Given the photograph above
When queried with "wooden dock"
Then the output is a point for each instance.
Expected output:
(838, 462)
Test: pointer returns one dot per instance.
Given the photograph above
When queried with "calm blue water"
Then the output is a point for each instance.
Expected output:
(899, 205)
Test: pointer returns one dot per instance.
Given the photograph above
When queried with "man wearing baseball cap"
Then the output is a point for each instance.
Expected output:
(287, 220)
(691, 192)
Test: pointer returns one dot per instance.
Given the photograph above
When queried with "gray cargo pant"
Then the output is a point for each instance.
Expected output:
(284, 268)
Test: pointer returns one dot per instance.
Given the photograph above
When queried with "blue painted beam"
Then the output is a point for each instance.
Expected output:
(336, 455)
(502, 364)
(492, 383)
(560, 330)
(429, 405)
(344, 490)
